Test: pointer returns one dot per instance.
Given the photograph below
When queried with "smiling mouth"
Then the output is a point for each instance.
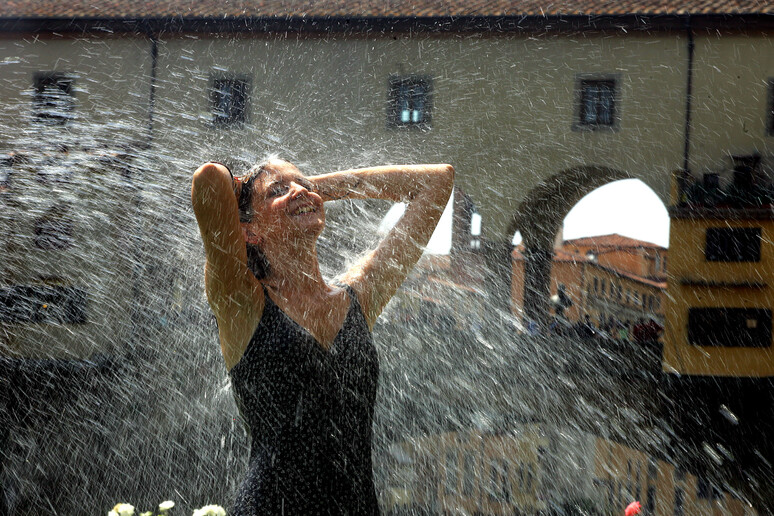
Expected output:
(304, 209)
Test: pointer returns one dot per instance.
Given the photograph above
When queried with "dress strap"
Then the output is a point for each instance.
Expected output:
(353, 298)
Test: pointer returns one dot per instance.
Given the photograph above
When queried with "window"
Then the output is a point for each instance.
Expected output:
(500, 487)
(53, 98)
(597, 103)
(603, 287)
(724, 244)
(705, 490)
(494, 477)
(409, 102)
(6, 171)
(596, 285)
(469, 472)
(451, 472)
(475, 230)
(650, 505)
(43, 304)
(53, 230)
(505, 483)
(638, 483)
(729, 327)
(679, 500)
(610, 493)
(52, 233)
(652, 471)
(229, 100)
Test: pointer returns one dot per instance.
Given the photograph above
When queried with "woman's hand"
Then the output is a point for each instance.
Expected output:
(397, 183)
(426, 190)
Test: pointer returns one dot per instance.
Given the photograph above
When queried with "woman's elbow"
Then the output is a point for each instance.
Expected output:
(446, 179)
(208, 171)
(449, 173)
(209, 176)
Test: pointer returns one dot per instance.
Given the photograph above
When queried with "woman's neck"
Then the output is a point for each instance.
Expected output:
(296, 274)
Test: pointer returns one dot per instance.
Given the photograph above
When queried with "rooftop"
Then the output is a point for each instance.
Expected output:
(564, 256)
(245, 9)
(612, 240)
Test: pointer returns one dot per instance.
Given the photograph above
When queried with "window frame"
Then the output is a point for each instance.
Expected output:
(40, 105)
(581, 80)
(394, 84)
(54, 230)
(230, 121)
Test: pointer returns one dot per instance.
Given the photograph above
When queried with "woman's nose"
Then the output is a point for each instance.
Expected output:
(296, 189)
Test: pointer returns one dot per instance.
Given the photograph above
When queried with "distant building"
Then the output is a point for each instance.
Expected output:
(541, 469)
(613, 279)
(440, 297)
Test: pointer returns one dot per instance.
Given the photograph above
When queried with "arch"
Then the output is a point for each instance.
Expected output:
(543, 209)
(539, 217)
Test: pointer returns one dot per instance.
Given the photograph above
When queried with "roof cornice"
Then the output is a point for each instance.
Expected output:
(369, 25)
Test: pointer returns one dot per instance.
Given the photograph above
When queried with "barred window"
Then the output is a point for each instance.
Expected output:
(724, 244)
(53, 98)
(409, 102)
(597, 100)
(229, 99)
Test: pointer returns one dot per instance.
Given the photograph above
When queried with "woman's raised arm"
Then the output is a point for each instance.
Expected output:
(425, 189)
(215, 204)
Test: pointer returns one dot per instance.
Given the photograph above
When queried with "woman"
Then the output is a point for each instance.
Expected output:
(299, 351)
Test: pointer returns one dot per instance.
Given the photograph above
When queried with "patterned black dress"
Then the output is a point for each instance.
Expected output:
(309, 413)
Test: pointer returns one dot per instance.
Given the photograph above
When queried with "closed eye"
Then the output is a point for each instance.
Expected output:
(277, 189)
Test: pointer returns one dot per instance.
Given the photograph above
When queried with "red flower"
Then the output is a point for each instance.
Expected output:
(632, 509)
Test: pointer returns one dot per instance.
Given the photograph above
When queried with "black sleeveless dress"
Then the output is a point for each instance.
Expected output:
(309, 413)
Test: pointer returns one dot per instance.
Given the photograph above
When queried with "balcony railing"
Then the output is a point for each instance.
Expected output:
(747, 193)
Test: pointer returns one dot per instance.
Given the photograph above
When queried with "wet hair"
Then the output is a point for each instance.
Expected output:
(256, 259)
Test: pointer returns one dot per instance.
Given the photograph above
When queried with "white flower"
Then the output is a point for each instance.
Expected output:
(149, 513)
(123, 509)
(165, 506)
(210, 510)
(113, 513)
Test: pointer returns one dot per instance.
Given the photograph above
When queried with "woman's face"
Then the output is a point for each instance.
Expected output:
(285, 204)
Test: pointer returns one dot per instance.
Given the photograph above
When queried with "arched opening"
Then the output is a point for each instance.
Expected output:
(539, 219)
(608, 264)
(627, 207)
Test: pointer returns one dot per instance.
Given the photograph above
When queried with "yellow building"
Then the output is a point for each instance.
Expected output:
(721, 287)
(717, 357)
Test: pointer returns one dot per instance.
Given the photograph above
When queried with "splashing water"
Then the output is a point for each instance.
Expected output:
(115, 385)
